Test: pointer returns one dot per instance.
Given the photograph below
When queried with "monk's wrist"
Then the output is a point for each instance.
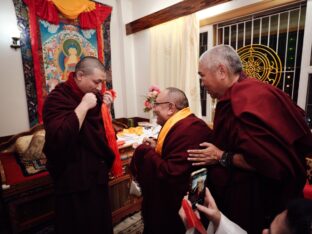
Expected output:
(84, 106)
(226, 159)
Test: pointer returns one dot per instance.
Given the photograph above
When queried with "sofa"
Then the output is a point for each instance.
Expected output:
(26, 191)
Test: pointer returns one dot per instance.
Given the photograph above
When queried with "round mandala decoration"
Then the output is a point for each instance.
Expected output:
(261, 62)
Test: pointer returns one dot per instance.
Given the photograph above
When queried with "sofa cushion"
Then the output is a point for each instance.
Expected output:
(12, 171)
(32, 160)
(22, 144)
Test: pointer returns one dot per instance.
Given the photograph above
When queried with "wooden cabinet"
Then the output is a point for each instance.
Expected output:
(122, 202)
(28, 204)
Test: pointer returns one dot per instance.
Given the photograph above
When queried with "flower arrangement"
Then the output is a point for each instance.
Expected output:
(153, 91)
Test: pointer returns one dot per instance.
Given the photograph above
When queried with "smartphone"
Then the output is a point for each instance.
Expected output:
(197, 187)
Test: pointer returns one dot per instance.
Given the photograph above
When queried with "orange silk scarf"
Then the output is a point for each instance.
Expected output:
(111, 137)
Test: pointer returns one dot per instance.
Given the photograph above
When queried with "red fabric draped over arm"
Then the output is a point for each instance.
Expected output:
(110, 135)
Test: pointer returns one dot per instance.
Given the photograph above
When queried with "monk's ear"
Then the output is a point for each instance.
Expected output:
(222, 71)
(79, 75)
(171, 109)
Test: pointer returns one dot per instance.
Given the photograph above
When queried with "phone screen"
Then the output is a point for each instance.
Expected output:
(197, 187)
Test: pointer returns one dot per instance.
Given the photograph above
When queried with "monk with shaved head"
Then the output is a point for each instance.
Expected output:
(77, 151)
(161, 166)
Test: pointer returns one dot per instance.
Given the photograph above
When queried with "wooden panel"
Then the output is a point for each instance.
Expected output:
(28, 211)
(127, 210)
(183, 8)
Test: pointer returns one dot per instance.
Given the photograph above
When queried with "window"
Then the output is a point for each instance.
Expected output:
(281, 29)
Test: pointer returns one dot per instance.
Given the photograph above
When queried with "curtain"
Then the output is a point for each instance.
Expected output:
(174, 55)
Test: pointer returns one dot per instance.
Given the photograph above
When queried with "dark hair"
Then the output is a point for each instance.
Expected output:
(87, 65)
(178, 97)
(299, 216)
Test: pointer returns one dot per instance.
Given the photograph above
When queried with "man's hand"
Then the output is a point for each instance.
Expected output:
(88, 101)
(108, 99)
(210, 209)
(207, 156)
(150, 141)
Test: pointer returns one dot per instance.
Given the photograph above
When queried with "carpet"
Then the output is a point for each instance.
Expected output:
(131, 225)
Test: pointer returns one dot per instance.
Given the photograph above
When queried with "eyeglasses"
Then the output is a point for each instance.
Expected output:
(159, 103)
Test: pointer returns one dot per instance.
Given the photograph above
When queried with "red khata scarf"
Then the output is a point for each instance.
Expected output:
(108, 126)
(192, 221)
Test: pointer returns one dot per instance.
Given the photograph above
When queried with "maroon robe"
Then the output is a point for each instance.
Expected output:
(263, 124)
(165, 179)
(78, 161)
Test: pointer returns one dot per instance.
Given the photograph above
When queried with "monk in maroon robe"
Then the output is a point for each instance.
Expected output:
(257, 156)
(161, 167)
(78, 155)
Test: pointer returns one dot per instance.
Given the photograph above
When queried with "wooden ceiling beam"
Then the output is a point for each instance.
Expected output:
(177, 10)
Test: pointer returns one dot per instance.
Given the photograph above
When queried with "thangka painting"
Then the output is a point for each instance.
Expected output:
(53, 41)
(62, 47)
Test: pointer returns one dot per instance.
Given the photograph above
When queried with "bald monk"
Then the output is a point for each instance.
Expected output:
(77, 151)
(256, 161)
(161, 166)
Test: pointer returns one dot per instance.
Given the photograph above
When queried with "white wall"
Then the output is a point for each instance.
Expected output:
(140, 47)
(13, 106)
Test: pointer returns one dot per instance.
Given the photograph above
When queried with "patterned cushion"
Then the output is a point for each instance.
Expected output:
(32, 159)
(22, 144)
(309, 169)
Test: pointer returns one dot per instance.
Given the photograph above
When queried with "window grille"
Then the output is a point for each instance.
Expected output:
(282, 31)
